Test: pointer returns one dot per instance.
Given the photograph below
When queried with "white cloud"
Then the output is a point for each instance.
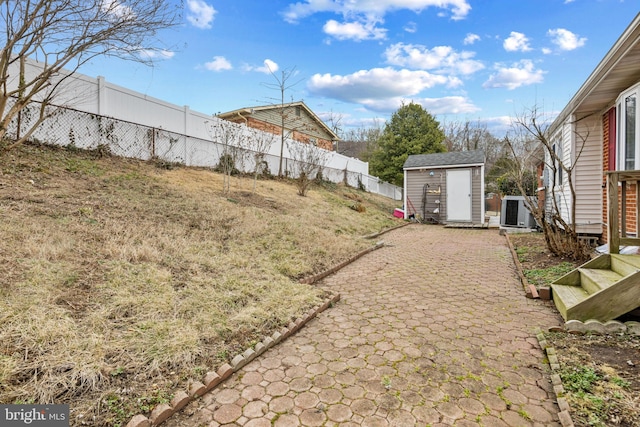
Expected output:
(219, 63)
(565, 39)
(546, 50)
(378, 85)
(445, 105)
(377, 9)
(516, 42)
(499, 125)
(117, 10)
(268, 67)
(439, 58)
(448, 105)
(522, 73)
(411, 27)
(471, 38)
(354, 30)
(200, 14)
(156, 54)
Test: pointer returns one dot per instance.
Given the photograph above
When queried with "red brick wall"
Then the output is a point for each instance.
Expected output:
(323, 143)
(608, 133)
(631, 208)
(274, 129)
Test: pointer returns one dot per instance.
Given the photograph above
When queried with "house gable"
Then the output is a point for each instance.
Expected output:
(300, 123)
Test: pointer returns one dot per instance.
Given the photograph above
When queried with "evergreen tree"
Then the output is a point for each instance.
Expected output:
(411, 130)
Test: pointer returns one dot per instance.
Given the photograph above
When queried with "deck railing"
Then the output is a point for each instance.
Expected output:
(617, 210)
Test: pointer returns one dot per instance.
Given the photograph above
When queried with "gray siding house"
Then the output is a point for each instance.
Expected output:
(445, 187)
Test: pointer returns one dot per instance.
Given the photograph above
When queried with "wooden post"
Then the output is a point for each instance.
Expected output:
(613, 235)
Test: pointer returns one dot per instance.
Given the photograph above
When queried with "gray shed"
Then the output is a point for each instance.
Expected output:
(445, 187)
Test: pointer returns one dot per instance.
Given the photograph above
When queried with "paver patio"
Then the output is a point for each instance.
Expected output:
(433, 329)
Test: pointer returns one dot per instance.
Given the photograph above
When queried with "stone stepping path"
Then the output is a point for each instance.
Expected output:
(432, 329)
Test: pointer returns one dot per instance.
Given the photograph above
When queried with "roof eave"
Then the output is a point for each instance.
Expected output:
(250, 110)
(625, 42)
(461, 165)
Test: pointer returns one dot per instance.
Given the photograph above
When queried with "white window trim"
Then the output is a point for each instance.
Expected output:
(621, 128)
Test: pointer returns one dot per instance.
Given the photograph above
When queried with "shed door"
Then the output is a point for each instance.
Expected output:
(459, 195)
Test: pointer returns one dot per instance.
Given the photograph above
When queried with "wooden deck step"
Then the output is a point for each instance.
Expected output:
(567, 296)
(603, 288)
(625, 264)
(594, 280)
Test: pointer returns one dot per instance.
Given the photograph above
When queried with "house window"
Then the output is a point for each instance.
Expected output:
(628, 137)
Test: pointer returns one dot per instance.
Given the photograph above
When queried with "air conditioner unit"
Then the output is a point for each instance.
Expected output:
(514, 213)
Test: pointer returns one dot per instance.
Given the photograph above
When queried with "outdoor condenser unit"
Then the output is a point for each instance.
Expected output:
(514, 213)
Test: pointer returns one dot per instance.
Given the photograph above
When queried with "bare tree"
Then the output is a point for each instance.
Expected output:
(227, 136)
(308, 161)
(334, 120)
(466, 136)
(282, 84)
(362, 140)
(59, 36)
(531, 134)
(259, 143)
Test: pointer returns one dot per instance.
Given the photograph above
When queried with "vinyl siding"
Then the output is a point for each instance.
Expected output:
(588, 176)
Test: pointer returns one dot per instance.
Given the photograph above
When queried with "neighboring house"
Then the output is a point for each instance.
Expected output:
(445, 187)
(300, 123)
(601, 125)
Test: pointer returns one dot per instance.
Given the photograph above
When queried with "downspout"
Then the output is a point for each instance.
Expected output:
(246, 121)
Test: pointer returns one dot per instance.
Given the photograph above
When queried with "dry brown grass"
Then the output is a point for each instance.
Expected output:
(120, 281)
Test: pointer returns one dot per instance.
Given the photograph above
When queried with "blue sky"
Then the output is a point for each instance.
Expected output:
(478, 60)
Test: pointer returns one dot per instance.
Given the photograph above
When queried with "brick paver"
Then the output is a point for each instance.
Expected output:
(433, 329)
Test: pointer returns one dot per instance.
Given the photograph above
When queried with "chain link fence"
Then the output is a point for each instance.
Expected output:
(67, 127)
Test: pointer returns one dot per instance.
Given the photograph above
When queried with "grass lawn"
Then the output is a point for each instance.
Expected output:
(123, 280)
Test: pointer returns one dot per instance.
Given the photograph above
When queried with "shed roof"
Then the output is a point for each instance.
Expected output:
(452, 158)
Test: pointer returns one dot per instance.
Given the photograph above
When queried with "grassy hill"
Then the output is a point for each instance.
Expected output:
(121, 280)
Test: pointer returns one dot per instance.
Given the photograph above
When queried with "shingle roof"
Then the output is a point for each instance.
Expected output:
(445, 159)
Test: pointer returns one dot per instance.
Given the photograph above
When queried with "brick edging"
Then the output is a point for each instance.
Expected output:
(387, 230)
(529, 289)
(212, 379)
(312, 279)
(556, 381)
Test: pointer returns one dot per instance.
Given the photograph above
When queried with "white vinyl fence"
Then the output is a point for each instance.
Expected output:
(130, 124)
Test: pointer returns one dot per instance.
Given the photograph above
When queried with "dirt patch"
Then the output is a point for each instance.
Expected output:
(601, 377)
(533, 253)
(600, 374)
